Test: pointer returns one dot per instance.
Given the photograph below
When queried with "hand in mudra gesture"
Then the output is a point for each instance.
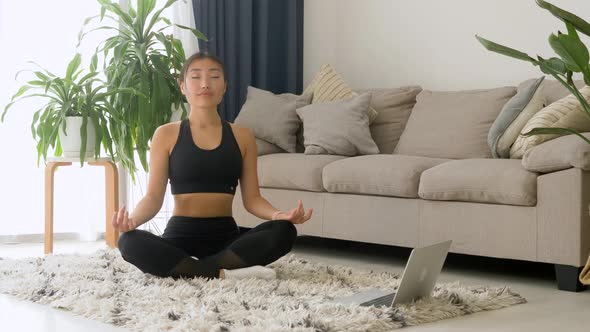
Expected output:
(122, 222)
(296, 215)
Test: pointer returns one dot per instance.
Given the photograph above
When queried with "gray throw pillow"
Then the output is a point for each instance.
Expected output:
(393, 106)
(263, 147)
(272, 117)
(338, 127)
(529, 99)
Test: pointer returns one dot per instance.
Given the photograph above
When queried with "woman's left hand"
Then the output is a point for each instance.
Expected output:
(296, 215)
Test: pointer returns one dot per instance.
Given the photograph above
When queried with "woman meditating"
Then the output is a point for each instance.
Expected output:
(204, 156)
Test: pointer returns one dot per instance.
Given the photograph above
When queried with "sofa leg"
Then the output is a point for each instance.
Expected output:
(567, 278)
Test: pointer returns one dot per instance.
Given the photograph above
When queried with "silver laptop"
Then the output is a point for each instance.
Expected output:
(418, 280)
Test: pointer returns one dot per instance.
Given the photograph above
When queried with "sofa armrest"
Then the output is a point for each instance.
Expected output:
(563, 222)
(558, 154)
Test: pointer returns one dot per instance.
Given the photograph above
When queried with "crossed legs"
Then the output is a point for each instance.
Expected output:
(169, 257)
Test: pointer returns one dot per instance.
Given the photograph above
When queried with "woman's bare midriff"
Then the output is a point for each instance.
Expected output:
(203, 205)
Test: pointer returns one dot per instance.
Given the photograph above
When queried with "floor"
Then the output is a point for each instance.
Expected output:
(547, 309)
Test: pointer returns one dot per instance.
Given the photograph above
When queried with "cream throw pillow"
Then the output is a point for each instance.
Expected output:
(328, 85)
(564, 113)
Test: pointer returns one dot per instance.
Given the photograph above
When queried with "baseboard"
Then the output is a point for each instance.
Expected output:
(40, 238)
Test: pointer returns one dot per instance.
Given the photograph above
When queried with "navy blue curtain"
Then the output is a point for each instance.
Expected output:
(260, 43)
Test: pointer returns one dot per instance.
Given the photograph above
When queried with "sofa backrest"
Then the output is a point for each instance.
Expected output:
(394, 107)
(453, 124)
(554, 90)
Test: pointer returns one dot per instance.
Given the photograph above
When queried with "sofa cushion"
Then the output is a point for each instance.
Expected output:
(500, 181)
(272, 117)
(559, 154)
(385, 175)
(393, 107)
(295, 171)
(452, 124)
(564, 113)
(338, 127)
(529, 100)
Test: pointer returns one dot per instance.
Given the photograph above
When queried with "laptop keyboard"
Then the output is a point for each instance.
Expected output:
(385, 300)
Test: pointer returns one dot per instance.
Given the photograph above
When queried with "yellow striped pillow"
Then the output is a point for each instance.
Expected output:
(328, 85)
(567, 112)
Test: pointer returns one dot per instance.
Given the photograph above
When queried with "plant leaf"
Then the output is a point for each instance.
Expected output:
(144, 7)
(20, 91)
(196, 32)
(552, 66)
(504, 50)
(573, 52)
(156, 17)
(116, 9)
(73, 65)
(565, 16)
(555, 131)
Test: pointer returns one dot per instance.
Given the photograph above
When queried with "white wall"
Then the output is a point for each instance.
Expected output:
(389, 43)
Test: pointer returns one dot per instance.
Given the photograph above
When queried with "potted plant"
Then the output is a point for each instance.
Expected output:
(141, 57)
(73, 120)
(573, 57)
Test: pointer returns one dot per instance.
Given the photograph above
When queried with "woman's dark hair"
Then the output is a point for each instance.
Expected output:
(200, 56)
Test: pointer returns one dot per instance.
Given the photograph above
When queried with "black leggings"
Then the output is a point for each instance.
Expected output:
(216, 242)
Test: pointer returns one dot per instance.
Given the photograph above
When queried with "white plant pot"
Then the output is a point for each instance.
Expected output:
(71, 140)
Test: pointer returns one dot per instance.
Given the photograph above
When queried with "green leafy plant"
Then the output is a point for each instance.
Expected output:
(71, 95)
(572, 58)
(139, 56)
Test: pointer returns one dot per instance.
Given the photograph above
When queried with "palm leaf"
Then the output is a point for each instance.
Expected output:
(555, 131)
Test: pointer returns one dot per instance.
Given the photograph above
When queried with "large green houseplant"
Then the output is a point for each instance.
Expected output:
(73, 95)
(573, 57)
(140, 56)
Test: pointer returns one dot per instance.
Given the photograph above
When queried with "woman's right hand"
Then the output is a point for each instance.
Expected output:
(122, 222)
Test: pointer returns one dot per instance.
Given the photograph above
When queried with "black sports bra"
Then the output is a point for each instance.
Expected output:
(195, 170)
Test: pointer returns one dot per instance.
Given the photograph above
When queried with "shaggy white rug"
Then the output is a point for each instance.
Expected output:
(102, 286)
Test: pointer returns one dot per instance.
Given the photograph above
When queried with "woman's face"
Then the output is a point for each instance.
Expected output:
(204, 84)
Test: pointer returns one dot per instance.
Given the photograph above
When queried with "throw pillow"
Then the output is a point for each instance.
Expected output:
(452, 124)
(272, 117)
(338, 127)
(529, 99)
(328, 85)
(263, 147)
(394, 107)
(564, 113)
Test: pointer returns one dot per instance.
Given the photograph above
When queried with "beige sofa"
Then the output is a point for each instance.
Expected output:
(488, 207)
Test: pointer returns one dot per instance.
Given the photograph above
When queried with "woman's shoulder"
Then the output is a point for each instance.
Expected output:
(244, 136)
(244, 133)
(240, 129)
(167, 133)
(168, 129)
